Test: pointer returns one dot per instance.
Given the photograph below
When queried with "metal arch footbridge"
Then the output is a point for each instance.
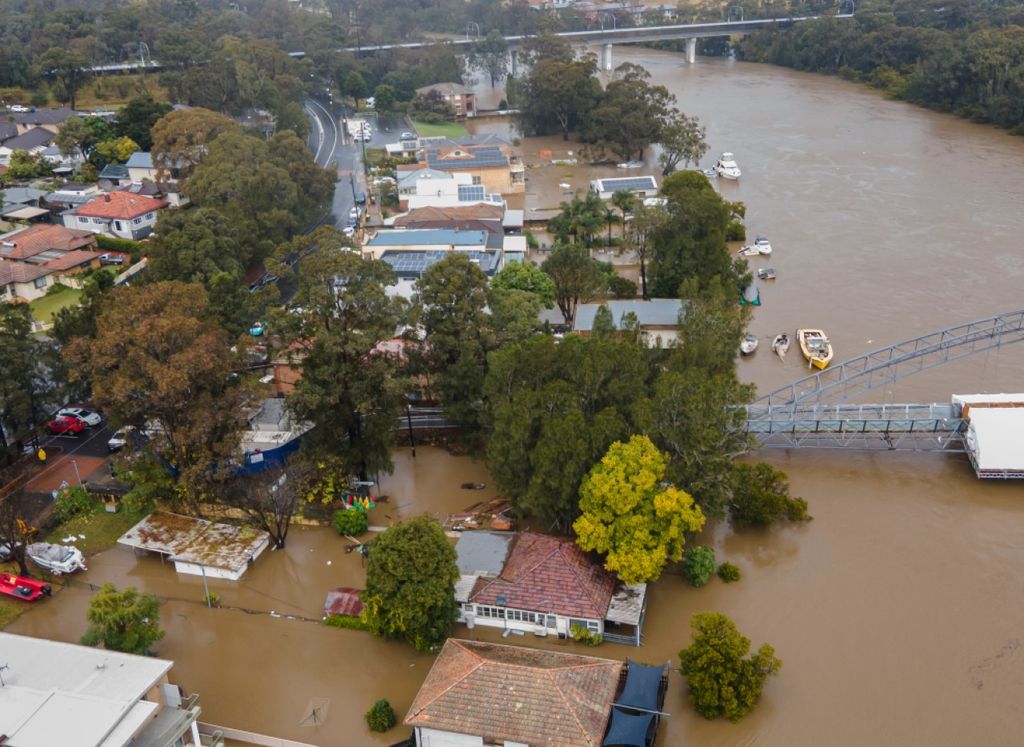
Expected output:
(812, 413)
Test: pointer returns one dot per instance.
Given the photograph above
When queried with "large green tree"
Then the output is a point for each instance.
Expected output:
(490, 55)
(183, 137)
(27, 390)
(629, 513)
(350, 391)
(159, 362)
(761, 496)
(557, 96)
(630, 115)
(722, 679)
(526, 276)
(410, 584)
(135, 120)
(67, 71)
(125, 620)
(682, 141)
(453, 296)
(195, 245)
(578, 278)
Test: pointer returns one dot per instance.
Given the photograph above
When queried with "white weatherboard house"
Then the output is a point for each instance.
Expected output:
(62, 695)
(196, 546)
(543, 585)
(644, 186)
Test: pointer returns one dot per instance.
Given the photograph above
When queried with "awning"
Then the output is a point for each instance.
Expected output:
(25, 213)
(641, 690)
(627, 604)
(627, 730)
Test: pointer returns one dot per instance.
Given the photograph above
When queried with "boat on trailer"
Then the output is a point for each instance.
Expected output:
(815, 346)
(780, 345)
(22, 587)
(57, 559)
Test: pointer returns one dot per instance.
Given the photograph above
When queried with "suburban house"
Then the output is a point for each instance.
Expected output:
(419, 187)
(543, 585)
(643, 186)
(656, 319)
(71, 195)
(196, 546)
(46, 119)
(476, 217)
(495, 167)
(33, 259)
(57, 693)
(120, 214)
(34, 142)
(429, 240)
(480, 694)
(462, 99)
(45, 241)
(24, 204)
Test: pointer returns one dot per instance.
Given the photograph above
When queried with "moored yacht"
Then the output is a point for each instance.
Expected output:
(727, 168)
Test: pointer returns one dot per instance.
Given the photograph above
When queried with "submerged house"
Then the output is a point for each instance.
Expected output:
(543, 585)
(481, 694)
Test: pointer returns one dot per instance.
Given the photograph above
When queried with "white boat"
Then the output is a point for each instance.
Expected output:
(56, 558)
(749, 251)
(709, 173)
(748, 345)
(727, 167)
(781, 345)
(760, 247)
(630, 165)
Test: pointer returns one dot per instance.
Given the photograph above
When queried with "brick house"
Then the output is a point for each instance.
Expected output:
(462, 99)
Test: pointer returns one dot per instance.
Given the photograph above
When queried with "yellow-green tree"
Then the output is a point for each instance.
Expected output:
(633, 516)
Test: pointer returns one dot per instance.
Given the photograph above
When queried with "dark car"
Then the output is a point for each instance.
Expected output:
(66, 424)
(360, 198)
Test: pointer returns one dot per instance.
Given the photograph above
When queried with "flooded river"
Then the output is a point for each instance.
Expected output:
(896, 611)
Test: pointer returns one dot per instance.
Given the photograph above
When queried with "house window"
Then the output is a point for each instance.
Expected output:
(590, 625)
(149, 216)
(98, 221)
(39, 282)
(118, 225)
(137, 221)
(477, 180)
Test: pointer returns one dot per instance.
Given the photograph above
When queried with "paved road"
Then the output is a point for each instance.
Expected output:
(90, 442)
(329, 144)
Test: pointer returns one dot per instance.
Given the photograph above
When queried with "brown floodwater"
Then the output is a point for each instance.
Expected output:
(897, 611)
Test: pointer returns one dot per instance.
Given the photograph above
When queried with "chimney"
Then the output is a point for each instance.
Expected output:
(106, 198)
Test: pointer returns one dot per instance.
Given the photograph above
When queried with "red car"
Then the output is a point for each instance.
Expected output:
(66, 425)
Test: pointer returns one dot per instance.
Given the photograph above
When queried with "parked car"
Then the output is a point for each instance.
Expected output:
(111, 259)
(349, 231)
(19, 108)
(64, 425)
(89, 417)
(360, 197)
(120, 439)
(408, 136)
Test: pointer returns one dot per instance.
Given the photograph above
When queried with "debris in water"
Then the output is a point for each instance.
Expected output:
(329, 562)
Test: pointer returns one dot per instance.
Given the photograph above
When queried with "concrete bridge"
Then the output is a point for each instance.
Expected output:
(606, 38)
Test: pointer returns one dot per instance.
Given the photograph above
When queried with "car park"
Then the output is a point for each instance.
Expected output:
(64, 426)
(89, 417)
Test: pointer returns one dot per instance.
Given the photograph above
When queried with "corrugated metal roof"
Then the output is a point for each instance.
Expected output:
(656, 312)
(429, 236)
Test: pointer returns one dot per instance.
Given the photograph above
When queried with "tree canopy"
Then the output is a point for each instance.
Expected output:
(629, 514)
(125, 620)
(722, 679)
(410, 584)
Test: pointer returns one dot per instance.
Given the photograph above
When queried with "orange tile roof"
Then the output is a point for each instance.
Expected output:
(19, 272)
(123, 205)
(516, 694)
(551, 575)
(41, 237)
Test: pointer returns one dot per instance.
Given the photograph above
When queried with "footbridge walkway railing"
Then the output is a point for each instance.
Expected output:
(810, 413)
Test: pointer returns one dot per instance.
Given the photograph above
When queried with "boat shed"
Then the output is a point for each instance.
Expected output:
(644, 186)
(197, 546)
(994, 439)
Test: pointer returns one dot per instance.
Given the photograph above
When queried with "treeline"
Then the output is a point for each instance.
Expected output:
(961, 57)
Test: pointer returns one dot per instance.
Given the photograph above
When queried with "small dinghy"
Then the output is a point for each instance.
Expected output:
(751, 296)
(780, 345)
(56, 558)
(766, 273)
(749, 345)
(20, 587)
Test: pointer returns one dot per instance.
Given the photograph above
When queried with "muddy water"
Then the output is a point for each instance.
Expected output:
(896, 611)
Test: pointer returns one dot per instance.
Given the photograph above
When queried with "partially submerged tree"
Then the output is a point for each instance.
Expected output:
(269, 500)
(126, 620)
(631, 515)
(722, 679)
(410, 584)
(761, 496)
(682, 140)
(490, 55)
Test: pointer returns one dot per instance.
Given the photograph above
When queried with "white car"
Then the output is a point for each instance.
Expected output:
(19, 108)
(89, 417)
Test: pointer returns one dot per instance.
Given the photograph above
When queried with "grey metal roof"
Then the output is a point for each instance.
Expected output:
(414, 263)
(482, 553)
(31, 139)
(428, 237)
(114, 171)
(22, 196)
(656, 312)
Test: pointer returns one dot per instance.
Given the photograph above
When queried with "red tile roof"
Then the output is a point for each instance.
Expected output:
(71, 260)
(551, 575)
(19, 272)
(121, 205)
(515, 694)
(42, 237)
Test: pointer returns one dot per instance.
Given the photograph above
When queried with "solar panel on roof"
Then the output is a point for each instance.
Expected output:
(469, 192)
(632, 183)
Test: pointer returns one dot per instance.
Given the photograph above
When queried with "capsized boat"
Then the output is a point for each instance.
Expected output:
(766, 273)
(20, 587)
(748, 345)
(815, 346)
(751, 296)
(780, 345)
(56, 558)
(727, 167)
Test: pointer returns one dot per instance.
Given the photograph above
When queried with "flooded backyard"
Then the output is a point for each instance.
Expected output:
(896, 611)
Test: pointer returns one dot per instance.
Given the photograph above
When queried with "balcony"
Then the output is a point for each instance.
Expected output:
(170, 725)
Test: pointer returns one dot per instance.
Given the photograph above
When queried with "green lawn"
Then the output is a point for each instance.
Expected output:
(9, 611)
(446, 129)
(44, 308)
(101, 530)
